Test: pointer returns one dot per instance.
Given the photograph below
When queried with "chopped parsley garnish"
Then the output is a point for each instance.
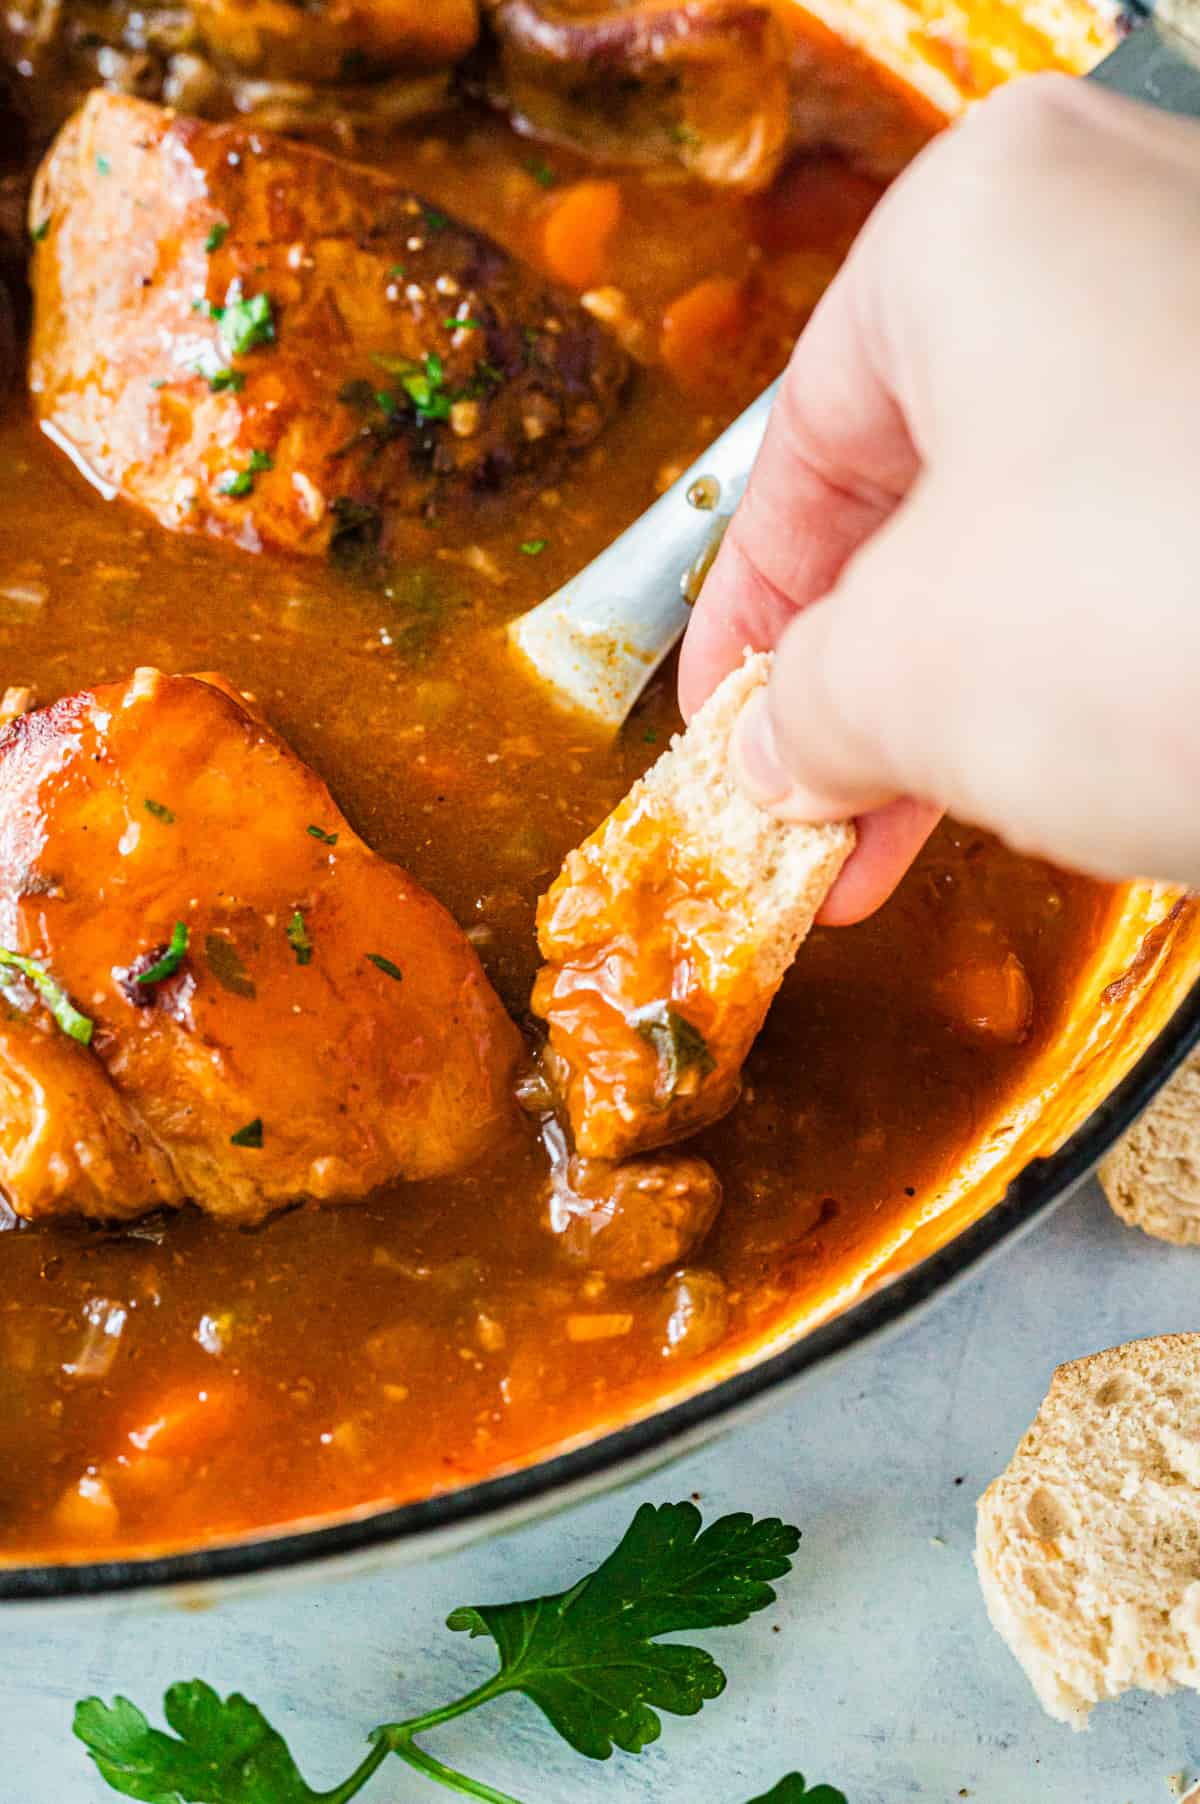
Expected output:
(541, 172)
(40, 230)
(650, 736)
(435, 219)
(159, 810)
(386, 966)
(533, 547)
(326, 839)
(298, 939)
(222, 380)
(241, 482)
(397, 269)
(245, 321)
(216, 237)
(589, 1657)
(679, 1046)
(223, 960)
(250, 1135)
(423, 383)
(103, 164)
(172, 957)
(463, 325)
(68, 1017)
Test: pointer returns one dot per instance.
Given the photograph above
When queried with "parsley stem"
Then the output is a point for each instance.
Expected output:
(449, 1776)
(369, 1765)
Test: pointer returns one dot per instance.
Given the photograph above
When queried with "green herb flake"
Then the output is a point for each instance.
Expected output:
(299, 940)
(103, 166)
(244, 322)
(172, 957)
(326, 839)
(158, 382)
(533, 547)
(541, 172)
(235, 482)
(589, 1657)
(225, 381)
(224, 962)
(435, 220)
(650, 736)
(76, 1026)
(463, 325)
(680, 1048)
(397, 271)
(386, 966)
(216, 237)
(252, 1135)
(40, 230)
(423, 383)
(159, 810)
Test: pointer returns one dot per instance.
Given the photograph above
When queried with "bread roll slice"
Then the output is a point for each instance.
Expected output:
(1152, 1176)
(1088, 1546)
(667, 934)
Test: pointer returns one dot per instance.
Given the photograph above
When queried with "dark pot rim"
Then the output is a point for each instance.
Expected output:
(1035, 1190)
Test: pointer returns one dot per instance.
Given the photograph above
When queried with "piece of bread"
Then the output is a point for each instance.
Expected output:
(667, 934)
(1088, 1546)
(1152, 1176)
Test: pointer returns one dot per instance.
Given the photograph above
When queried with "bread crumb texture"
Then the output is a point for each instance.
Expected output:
(1152, 1176)
(1088, 1546)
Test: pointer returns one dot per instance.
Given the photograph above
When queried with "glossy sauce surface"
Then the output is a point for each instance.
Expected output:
(178, 1380)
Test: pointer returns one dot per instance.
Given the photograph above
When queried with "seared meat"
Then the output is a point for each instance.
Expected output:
(340, 65)
(275, 1012)
(725, 87)
(701, 82)
(629, 1220)
(256, 340)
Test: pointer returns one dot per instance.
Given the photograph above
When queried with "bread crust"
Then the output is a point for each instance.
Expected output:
(1152, 1176)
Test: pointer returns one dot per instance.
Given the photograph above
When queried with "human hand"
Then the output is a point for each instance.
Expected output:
(973, 531)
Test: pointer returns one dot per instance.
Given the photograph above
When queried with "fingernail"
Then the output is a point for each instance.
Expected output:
(761, 773)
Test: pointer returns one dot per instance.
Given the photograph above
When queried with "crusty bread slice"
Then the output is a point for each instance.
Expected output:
(668, 932)
(1088, 1546)
(1152, 1176)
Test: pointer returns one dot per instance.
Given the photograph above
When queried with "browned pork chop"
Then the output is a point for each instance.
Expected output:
(233, 999)
(253, 339)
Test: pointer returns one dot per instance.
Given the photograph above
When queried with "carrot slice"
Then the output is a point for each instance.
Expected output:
(579, 230)
(699, 329)
(188, 1421)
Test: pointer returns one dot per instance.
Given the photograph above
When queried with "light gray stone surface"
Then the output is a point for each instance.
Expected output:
(877, 1671)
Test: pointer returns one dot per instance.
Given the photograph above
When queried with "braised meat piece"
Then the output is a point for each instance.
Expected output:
(252, 339)
(212, 989)
(702, 82)
(341, 66)
(629, 1220)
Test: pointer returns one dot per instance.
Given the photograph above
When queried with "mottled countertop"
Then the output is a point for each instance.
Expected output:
(877, 1670)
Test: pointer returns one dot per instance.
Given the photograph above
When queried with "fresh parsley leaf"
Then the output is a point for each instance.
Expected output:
(533, 547)
(792, 1790)
(679, 1046)
(261, 460)
(422, 383)
(159, 810)
(40, 229)
(397, 269)
(245, 321)
(250, 1135)
(222, 958)
(298, 939)
(588, 1656)
(435, 219)
(386, 966)
(225, 381)
(224, 1751)
(216, 237)
(326, 839)
(235, 482)
(541, 172)
(76, 1026)
(172, 957)
(103, 166)
(463, 325)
